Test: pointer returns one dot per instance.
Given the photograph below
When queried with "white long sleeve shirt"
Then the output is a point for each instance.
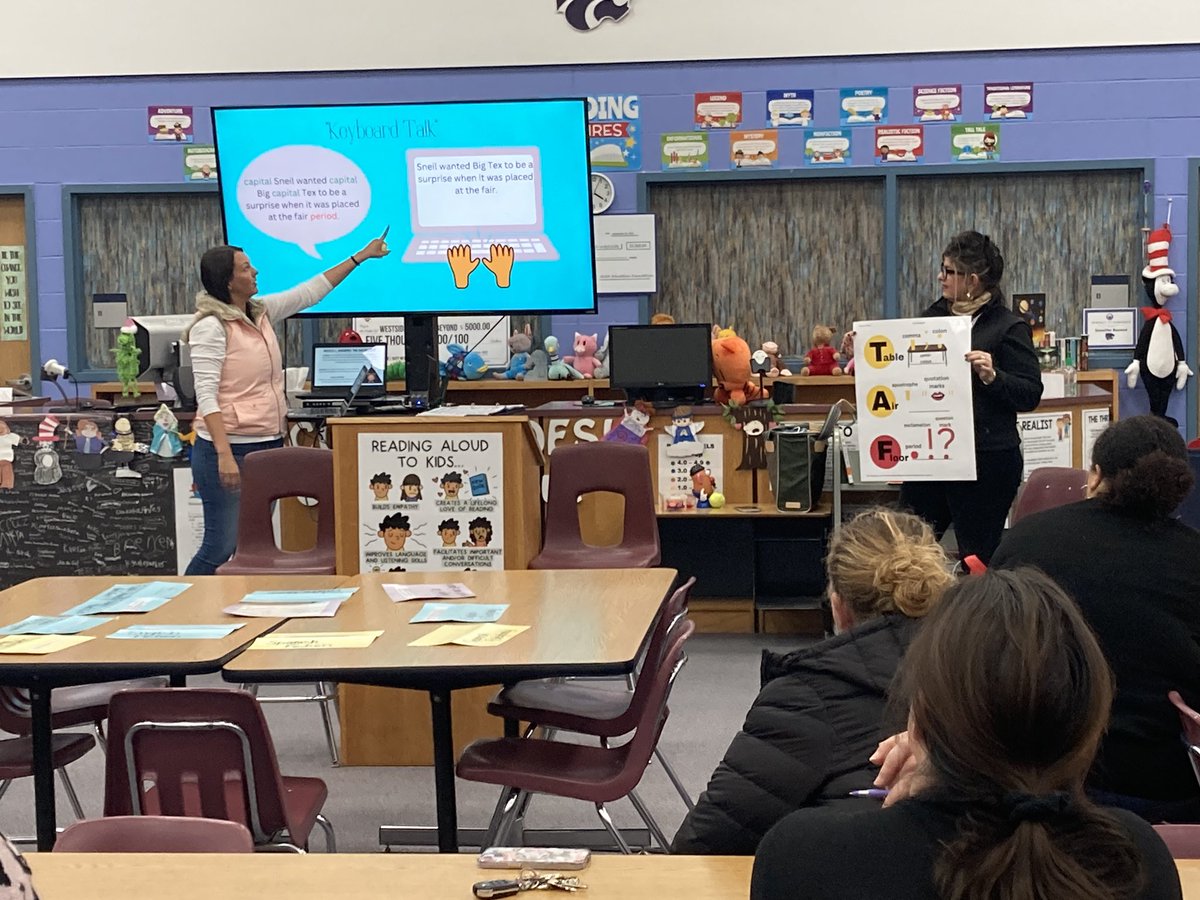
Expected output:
(207, 342)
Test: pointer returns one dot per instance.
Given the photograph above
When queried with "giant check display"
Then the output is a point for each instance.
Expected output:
(913, 387)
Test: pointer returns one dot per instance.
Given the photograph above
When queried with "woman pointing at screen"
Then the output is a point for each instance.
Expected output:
(238, 373)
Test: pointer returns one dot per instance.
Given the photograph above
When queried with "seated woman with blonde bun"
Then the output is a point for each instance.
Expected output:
(1007, 694)
(819, 714)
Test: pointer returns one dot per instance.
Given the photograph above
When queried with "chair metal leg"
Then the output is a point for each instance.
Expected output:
(508, 796)
(613, 830)
(328, 715)
(644, 812)
(687, 799)
(251, 689)
(330, 840)
(4, 786)
(72, 797)
(507, 819)
(101, 739)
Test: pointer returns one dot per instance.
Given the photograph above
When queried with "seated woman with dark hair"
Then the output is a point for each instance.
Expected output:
(1007, 694)
(819, 714)
(1135, 573)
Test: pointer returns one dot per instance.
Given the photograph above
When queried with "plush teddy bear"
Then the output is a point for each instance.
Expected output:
(772, 350)
(848, 352)
(731, 365)
(822, 359)
(584, 360)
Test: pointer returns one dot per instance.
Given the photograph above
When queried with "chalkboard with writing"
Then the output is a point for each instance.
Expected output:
(71, 513)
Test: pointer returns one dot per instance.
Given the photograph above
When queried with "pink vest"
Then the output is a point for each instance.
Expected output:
(251, 389)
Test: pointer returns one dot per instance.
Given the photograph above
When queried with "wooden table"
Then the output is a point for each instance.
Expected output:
(114, 660)
(415, 876)
(584, 622)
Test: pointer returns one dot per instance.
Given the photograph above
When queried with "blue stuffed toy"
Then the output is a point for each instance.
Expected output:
(519, 346)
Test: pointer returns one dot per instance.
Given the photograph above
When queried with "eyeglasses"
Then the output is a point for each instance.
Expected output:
(949, 273)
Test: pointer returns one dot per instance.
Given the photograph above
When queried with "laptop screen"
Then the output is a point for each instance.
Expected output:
(338, 365)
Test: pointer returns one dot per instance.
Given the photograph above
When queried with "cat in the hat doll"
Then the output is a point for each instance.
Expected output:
(1158, 358)
(46, 467)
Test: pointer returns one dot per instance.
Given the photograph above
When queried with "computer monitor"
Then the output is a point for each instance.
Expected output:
(665, 364)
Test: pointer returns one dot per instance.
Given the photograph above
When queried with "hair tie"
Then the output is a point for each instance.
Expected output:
(1023, 807)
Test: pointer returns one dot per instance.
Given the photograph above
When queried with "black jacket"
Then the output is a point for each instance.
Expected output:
(806, 738)
(1018, 385)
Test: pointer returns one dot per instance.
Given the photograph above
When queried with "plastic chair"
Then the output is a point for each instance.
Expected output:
(583, 468)
(83, 704)
(207, 752)
(1048, 487)
(1182, 840)
(268, 476)
(598, 775)
(271, 475)
(585, 708)
(155, 834)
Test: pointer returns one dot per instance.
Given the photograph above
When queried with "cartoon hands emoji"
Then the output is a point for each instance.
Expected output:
(500, 263)
(461, 264)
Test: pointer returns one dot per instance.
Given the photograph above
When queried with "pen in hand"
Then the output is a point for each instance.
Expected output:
(872, 793)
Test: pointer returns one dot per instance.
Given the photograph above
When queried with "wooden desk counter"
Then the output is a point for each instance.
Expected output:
(415, 876)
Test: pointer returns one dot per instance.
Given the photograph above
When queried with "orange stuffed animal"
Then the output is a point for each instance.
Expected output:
(731, 364)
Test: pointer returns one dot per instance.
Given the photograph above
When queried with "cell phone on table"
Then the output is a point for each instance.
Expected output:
(567, 858)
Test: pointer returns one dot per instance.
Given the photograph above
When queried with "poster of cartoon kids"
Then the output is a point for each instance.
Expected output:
(975, 143)
(899, 144)
(937, 103)
(722, 110)
(1008, 101)
(446, 511)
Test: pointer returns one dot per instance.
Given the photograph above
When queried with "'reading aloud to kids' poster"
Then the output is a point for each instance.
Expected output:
(430, 501)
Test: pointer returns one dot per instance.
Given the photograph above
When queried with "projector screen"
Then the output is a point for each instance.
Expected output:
(303, 187)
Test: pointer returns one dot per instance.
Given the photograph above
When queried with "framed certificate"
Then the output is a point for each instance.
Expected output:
(1114, 328)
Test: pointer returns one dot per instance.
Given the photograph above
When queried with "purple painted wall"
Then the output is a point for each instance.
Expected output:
(1098, 104)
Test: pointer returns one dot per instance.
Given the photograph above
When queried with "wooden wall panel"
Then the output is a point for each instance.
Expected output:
(771, 258)
(1055, 230)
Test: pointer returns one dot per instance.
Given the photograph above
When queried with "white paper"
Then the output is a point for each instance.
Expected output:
(626, 260)
(285, 610)
(1045, 440)
(913, 387)
(1115, 328)
(1094, 423)
(399, 593)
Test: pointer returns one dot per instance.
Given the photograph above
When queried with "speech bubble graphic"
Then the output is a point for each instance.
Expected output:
(686, 148)
(936, 101)
(170, 121)
(863, 104)
(304, 195)
(717, 109)
(759, 145)
(790, 107)
(899, 141)
(1008, 98)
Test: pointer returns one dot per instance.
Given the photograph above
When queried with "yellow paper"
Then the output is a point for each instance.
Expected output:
(316, 640)
(487, 635)
(41, 643)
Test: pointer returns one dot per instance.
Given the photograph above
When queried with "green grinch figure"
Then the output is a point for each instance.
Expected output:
(128, 360)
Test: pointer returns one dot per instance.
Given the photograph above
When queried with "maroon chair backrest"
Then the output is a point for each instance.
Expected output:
(589, 466)
(654, 686)
(1182, 840)
(200, 771)
(155, 834)
(1048, 487)
(270, 475)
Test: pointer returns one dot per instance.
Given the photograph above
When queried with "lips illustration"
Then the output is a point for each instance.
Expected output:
(937, 395)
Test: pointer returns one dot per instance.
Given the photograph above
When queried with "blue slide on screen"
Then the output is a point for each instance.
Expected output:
(487, 205)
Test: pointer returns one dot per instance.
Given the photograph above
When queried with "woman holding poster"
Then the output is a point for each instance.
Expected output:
(1005, 380)
(239, 380)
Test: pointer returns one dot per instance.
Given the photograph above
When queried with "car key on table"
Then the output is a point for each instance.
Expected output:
(527, 881)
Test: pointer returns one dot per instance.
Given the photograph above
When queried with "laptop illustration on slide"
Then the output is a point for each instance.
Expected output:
(477, 196)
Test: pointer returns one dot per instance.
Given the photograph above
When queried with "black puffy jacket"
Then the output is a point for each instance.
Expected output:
(806, 738)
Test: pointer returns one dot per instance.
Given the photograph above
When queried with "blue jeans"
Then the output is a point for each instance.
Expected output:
(220, 505)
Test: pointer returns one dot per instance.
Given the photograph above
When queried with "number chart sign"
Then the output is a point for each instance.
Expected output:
(913, 387)
(430, 501)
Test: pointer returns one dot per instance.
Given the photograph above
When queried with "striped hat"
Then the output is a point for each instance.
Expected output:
(46, 430)
(1157, 247)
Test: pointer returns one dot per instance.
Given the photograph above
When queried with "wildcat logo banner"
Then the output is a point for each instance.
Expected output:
(585, 15)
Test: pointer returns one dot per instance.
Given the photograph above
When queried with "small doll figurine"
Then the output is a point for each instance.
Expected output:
(632, 429)
(8, 442)
(772, 350)
(558, 370)
(584, 360)
(703, 484)
(122, 448)
(848, 352)
(46, 469)
(165, 441)
(683, 433)
(128, 360)
(822, 359)
(519, 345)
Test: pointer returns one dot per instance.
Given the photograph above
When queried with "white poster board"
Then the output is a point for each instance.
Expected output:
(1045, 440)
(430, 501)
(473, 332)
(189, 518)
(913, 387)
(626, 256)
(675, 466)
(1094, 423)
